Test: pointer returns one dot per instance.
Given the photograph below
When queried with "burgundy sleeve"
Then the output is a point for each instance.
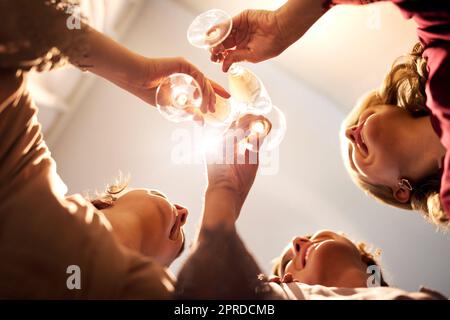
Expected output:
(433, 29)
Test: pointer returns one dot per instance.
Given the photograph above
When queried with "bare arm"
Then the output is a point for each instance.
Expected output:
(33, 31)
(259, 35)
(220, 266)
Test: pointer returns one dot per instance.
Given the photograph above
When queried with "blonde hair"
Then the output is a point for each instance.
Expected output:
(113, 191)
(403, 87)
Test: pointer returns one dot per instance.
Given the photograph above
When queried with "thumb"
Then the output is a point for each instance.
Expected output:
(233, 56)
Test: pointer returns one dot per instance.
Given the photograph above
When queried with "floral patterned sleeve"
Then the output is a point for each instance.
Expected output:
(34, 34)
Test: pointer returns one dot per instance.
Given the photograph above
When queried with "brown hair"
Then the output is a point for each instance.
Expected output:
(403, 87)
(369, 258)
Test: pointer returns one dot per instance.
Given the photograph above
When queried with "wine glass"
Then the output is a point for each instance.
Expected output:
(179, 97)
(272, 126)
(210, 29)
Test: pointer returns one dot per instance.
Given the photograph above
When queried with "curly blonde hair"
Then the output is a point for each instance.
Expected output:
(403, 87)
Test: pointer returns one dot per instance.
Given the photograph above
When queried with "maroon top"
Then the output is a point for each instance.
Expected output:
(433, 29)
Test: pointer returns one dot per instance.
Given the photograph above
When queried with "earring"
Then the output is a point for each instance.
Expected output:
(404, 183)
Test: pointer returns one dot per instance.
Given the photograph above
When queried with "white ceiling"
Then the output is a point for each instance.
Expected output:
(59, 92)
(345, 54)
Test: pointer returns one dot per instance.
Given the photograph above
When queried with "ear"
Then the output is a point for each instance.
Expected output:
(401, 194)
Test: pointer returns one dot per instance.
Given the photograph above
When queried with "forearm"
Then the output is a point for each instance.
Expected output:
(110, 60)
(220, 266)
(297, 16)
(221, 208)
(58, 26)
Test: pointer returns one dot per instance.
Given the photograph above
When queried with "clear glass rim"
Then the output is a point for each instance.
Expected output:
(171, 112)
(218, 41)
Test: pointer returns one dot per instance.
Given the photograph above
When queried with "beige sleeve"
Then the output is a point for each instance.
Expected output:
(108, 264)
(146, 279)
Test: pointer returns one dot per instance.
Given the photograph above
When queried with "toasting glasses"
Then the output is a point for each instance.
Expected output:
(179, 96)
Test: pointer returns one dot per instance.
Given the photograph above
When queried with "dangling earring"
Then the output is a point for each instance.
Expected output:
(404, 183)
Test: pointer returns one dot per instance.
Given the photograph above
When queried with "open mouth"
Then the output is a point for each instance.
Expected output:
(306, 253)
(311, 246)
(360, 141)
(175, 230)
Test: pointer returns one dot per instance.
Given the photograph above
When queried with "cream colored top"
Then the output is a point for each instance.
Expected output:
(301, 291)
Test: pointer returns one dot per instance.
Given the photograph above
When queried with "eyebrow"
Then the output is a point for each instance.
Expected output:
(159, 194)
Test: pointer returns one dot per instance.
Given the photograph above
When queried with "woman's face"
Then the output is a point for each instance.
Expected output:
(380, 144)
(162, 222)
(322, 259)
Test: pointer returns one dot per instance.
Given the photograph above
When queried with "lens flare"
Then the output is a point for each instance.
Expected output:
(258, 127)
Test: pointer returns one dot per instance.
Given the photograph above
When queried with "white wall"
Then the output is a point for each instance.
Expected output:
(114, 131)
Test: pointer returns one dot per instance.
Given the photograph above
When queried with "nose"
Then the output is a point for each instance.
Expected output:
(351, 132)
(298, 243)
(182, 213)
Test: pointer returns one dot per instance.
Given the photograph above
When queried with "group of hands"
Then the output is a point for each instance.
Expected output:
(257, 35)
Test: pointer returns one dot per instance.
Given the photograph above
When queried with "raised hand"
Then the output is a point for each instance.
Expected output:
(255, 36)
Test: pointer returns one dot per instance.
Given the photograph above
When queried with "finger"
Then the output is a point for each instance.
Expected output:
(221, 91)
(287, 278)
(234, 56)
(219, 57)
(230, 42)
(212, 98)
(235, 149)
(216, 58)
(252, 157)
(275, 279)
(184, 66)
(205, 86)
(217, 49)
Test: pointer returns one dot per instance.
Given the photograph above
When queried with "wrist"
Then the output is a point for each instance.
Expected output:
(295, 17)
(221, 206)
(139, 71)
